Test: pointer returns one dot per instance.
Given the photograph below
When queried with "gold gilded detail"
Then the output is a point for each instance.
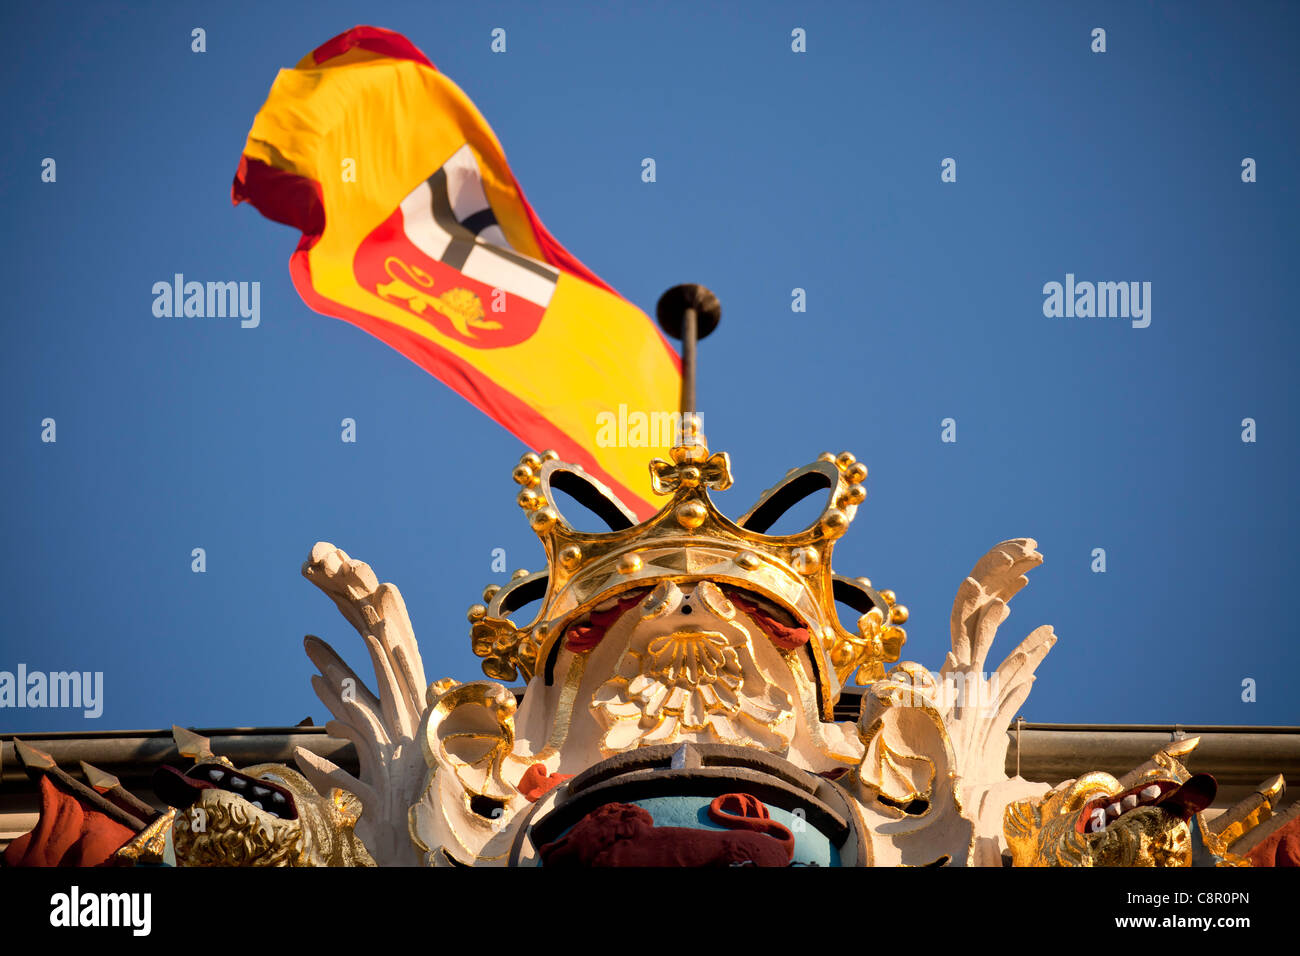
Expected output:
(223, 828)
(689, 682)
(691, 514)
(667, 477)
(690, 540)
(1098, 820)
(147, 846)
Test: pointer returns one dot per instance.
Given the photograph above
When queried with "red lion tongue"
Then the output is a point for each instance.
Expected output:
(1192, 797)
(177, 789)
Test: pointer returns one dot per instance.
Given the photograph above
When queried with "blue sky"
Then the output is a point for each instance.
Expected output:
(775, 170)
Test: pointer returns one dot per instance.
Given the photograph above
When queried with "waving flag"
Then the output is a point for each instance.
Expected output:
(414, 228)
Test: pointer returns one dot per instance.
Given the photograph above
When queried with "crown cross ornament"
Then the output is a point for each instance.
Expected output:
(686, 471)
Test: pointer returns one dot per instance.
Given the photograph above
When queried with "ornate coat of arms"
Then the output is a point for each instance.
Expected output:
(681, 675)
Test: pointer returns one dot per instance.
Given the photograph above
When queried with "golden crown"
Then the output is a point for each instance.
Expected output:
(689, 539)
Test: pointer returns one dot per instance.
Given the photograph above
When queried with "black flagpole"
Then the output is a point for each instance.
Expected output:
(688, 313)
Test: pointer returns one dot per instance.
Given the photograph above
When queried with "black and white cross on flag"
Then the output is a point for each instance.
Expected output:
(449, 219)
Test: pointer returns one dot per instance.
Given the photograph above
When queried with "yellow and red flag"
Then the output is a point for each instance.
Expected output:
(415, 229)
